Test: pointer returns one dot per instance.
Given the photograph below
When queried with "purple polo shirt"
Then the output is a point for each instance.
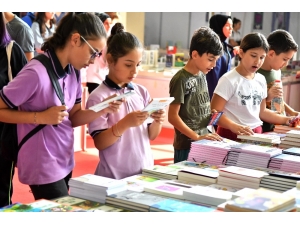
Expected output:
(48, 156)
(132, 152)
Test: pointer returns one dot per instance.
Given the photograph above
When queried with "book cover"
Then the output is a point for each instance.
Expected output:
(137, 182)
(68, 200)
(260, 137)
(172, 205)
(205, 174)
(260, 200)
(19, 207)
(214, 118)
(139, 199)
(166, 188)
(179, 59)
(158, 104)
(293, 133)
(242, 173)
(292, 151)
(207, 195)
(102, 105)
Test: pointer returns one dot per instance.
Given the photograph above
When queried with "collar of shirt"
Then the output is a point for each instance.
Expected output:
(108, 82)
(60, 71)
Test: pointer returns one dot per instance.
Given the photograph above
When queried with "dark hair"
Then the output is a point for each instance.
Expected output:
(88, 25)
(254, 40)
(235, 21)
(103, 16)
(205, 40)
(41, 19)
(217, 22)
(281, 41)
(4, 36)
(120, 42)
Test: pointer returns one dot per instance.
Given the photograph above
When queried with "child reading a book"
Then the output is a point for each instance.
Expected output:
(46, 161)
(190, 112)
(282, 49)
(123, 138)
(241, 93)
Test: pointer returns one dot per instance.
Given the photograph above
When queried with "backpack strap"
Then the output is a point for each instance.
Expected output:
(30, 134)
(53, 77)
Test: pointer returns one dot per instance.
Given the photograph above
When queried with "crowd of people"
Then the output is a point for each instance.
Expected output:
(73, 42)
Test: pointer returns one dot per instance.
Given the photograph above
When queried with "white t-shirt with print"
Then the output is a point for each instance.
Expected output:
(243, 97)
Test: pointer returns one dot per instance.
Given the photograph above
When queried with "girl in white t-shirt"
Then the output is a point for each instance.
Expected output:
(241, 93)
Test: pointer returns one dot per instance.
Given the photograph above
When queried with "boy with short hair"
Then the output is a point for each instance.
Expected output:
(190, 112)
(282, 49)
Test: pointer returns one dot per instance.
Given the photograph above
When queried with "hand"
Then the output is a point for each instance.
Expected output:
(54, 115)
(136, 118)
(242, 130)
(293, 121)
(159, 116)
(113, 106)
(274, 91)
(236, 50)
(212, 137)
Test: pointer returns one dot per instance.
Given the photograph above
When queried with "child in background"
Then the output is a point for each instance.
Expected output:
(123, 138)
(96, 72)
(282, 49)
(46, 160)
(241, 93)
(43, 27)
(190, 112)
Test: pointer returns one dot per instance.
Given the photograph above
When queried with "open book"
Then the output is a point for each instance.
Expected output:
(105, 104)
(158, 104)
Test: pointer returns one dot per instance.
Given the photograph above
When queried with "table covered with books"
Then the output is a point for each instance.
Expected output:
(226, 176)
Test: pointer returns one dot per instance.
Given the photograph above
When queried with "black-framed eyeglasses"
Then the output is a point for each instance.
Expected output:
(95, 53)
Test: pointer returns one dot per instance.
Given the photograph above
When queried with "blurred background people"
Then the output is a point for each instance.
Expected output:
(43, 27)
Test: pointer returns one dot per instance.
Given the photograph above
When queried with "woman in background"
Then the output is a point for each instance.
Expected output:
(43, 27)
(222, 25)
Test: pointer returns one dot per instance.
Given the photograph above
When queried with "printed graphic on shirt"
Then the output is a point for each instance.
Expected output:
(250, 97)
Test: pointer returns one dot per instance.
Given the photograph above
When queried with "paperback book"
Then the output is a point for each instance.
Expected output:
(158, 104)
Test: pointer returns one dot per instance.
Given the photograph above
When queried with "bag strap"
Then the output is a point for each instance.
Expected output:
(30, 134)
(46, 62)
(53, 77)
(8, 52)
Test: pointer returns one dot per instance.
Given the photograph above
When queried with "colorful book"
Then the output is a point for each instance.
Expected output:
(158, 104)
(260, 200)
(102, 105)
(172, 205)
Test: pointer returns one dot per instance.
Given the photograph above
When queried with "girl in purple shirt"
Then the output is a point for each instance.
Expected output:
(46, 160)
(123, 138)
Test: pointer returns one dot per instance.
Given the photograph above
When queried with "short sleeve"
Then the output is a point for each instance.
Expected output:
(224, 88)
(177, 89)
(38, 39)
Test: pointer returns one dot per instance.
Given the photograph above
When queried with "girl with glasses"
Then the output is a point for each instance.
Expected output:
(46, 160)
(123, 138)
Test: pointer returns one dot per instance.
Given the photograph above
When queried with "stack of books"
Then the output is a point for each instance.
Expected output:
(239, 177)
(278, 180)
(295, 192)
(168, 172)
(210, 152)
(251, 156)
(292, 139)
(95, 188)
(204, 176)
(134, 201)
(41, 205)
(139, 181)
(285, 162)
(174, 205)
(88, 205)
(207, 195)
(283, 128)
(261, 139)
(292, 151)
(167, 188)
(262, 200)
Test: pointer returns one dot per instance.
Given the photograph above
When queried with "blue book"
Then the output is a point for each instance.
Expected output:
(292, 151)
(172, 205)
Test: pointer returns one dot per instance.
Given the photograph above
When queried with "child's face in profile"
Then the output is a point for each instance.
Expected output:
(205, 62)
(281, 60)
